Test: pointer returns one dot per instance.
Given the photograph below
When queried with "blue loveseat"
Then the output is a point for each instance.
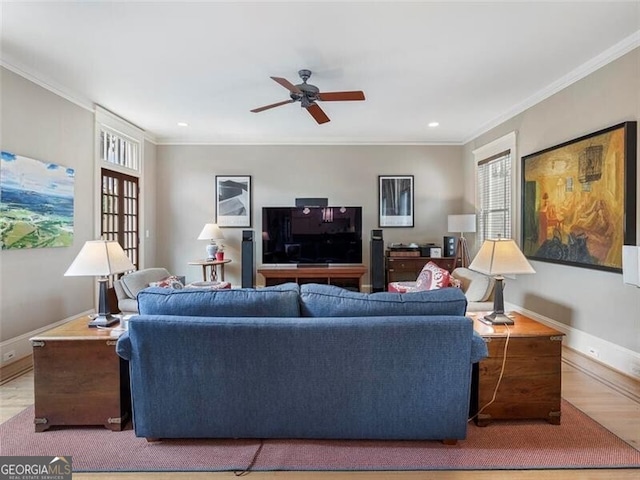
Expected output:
(314, 361)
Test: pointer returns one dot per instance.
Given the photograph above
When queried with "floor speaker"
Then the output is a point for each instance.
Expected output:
(248, 260)
(376, 265)
(449, 246)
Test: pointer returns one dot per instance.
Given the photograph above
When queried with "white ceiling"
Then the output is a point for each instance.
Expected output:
(467, 65)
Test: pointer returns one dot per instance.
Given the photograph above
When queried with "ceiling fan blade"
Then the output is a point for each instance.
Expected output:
(341, 96)
(317, 113)
(273, 105)
(287, 84)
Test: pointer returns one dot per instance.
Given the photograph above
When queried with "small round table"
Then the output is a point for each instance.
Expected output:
(214, 264)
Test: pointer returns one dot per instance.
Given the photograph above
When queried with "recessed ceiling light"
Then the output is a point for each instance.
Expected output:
(183, 124)
(434, 124)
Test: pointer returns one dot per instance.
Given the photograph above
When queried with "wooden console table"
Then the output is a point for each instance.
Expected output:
(530, 385)
(78, 377)
(346, 277)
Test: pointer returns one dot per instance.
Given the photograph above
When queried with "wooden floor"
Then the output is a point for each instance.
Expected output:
(611, 399)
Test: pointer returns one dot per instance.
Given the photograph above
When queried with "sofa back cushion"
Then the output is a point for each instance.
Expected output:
(279, 301)
(331, 301)
(476, 286)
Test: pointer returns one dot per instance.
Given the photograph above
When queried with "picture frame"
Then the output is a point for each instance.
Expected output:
(233, 200)
(579, 199)
(395, 201)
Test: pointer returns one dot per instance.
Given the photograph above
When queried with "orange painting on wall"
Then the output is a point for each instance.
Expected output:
(579, 199)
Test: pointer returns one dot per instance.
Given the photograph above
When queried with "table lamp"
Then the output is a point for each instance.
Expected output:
(101, 258)
(462, 223)
(500, 257)
(211, 232)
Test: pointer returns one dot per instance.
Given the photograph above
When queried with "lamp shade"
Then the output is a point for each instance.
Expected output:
(500, 257)
(211, 231)
(631, 264)
(462, 223)
(100, 258)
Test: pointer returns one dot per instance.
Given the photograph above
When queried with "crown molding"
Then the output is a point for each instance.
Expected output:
(613, 53)
(167, 141)
(49, 85)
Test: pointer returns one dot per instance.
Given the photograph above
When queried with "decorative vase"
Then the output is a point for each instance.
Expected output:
(219, 255)
(212, 250)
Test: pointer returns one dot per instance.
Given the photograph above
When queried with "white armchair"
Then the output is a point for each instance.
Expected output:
(128, 286)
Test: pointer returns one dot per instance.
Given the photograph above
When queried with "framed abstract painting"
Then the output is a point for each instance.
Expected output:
(233, 200)
(395, 201)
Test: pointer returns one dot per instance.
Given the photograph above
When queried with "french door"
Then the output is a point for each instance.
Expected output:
(120, 212)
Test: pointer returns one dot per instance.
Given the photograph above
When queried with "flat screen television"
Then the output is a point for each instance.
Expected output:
(311, 235)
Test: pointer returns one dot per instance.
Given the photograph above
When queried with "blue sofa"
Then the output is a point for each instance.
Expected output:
(310, 361)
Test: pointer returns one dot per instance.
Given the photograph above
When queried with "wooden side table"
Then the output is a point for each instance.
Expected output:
(531, 382)
(78, 378)
(213, 264)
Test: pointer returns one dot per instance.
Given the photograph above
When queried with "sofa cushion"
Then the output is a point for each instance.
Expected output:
(432, 277)
(279, 301)
(136, 281)
(477, 287)
(330, 301)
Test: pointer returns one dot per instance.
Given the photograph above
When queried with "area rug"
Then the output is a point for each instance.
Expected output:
(579, 442)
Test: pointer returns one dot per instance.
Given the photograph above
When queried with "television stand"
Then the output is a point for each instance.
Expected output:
(341, 276)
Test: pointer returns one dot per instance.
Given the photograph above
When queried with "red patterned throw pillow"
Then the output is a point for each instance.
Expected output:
(432, 277)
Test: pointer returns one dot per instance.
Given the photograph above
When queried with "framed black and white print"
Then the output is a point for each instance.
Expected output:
(233, 200)
(395, 201)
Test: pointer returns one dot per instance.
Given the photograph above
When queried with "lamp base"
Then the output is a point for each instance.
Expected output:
(212, 249)
(103, 321)
(496, 318)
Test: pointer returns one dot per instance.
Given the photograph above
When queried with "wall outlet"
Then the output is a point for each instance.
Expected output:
(594, 352)
(8, 356)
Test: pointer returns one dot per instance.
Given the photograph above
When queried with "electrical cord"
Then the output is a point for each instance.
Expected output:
(247, 471)
(502, 368)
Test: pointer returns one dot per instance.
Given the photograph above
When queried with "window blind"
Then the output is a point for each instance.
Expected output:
(494, 196)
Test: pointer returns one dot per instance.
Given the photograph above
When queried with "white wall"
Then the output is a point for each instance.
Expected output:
(41, 125)
(148, 218)
(593, 305)
(346, 175)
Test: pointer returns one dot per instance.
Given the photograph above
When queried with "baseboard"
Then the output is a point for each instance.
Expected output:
(20, 346)
(620, 359)
(15, 369)
(621, 383)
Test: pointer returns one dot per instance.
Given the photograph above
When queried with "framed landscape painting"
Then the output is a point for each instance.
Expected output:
(579, 199)
(36, 203)
(395, 201)
(233, 200)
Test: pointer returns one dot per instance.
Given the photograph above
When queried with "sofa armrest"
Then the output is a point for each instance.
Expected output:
(479, 348)
(123, 347)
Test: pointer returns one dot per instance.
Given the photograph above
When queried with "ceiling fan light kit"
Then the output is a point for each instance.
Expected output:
(308, 94)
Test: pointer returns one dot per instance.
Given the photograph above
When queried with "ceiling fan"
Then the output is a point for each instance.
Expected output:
(308, 94)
